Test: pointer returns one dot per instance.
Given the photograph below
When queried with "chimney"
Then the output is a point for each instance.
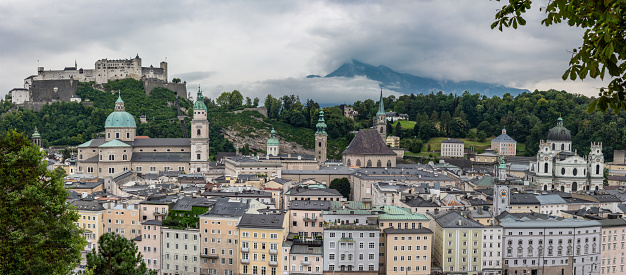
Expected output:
(460, 221)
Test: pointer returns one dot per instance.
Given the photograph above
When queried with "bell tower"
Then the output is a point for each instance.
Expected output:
(199, 160)
(501, 199)
(320, 139)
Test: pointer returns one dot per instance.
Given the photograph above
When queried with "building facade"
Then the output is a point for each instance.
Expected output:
(181, 251)
(504, 145)
(452, 148)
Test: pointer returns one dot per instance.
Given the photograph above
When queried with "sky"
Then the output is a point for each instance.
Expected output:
(269, 47)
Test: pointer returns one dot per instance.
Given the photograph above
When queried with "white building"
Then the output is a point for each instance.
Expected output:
(492, 250)
(559, 168)
(452, 148)
(181, 251)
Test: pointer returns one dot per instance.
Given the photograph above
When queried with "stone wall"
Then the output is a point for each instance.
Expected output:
(179, 89)
(53, 90)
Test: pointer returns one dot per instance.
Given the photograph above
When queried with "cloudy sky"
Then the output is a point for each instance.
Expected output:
(261, 47)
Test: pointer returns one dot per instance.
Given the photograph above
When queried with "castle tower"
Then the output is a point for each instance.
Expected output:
(272, 144)
(199, 160)
(120, 124)
(380, 123)
(163, 66)
(501, 199)
(595, 165)
(321, 139)
(36, 138)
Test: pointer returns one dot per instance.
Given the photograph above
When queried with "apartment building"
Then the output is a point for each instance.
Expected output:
(181, 251)
(90, 218)
(122, 219)
(150, 244)
(492, 250)
(457, 246)
(305, 218)
(261, 237)
(219, 237)
(613, 246)
(306, 259)
(155, 207)
(407, 251)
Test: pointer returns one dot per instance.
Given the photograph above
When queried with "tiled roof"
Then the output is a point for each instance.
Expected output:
(522, 198)
(550, 199)
(452, 140)
(226, 208)
(613, 222)
(407, 231)
(309, 205)
(451, 220)
(368, 141)
(504, 138)
(114, 143)
(187, 203)
(161, 157)
(274, 221)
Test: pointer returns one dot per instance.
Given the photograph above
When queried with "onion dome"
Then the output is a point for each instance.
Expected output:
(559, 133)
(36, 134)
(272, 141)
(120, 118)
(199, 105)
(321, 125)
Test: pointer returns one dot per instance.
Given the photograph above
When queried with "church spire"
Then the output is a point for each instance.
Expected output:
(321, 124)
(381, 106)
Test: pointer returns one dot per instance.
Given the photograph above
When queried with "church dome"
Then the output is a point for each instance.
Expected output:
(120, 119)
(559, 133)
(272, 141)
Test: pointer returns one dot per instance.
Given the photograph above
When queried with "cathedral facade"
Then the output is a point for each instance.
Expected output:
(122, 150)
(557, 167)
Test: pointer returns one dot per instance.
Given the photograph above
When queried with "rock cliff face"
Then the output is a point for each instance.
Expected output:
(257, 141)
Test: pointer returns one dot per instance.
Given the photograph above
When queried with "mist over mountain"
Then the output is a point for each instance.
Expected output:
(408, 83)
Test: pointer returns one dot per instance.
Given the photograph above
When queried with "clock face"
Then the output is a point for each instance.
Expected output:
(598, 160)
(546, 158)
(502, 193)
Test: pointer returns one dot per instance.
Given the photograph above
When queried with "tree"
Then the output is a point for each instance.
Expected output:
(398, 129)
(342, 185)
(176, 80)
(116, 255)
(603, 49)
(255, 102)
(36, 223)
(481, 136)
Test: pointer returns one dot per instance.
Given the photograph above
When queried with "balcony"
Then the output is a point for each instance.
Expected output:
(204, 271)
(306, 263)
(307, 219)
(210, 255)
(245, 249)
(245, 261)
(157, 213)
(274, 251)
(273, 263)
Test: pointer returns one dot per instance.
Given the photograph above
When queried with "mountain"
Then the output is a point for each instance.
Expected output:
(408, 83)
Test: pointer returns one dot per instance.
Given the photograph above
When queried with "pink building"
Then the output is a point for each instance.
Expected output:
(504, 144)
(150, 244)
(305, 217)
(613, 249)
(154, 208)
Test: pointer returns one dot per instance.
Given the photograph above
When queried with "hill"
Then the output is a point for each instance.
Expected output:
(408, 83)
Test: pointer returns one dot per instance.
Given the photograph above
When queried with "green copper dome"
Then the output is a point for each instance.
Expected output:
(199, 105)
(321, 125)
(381, 106)
(36, 133)
(559, 132)
(120, 118)
(272, 141)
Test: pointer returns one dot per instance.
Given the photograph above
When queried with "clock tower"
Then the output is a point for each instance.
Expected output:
(501, 199)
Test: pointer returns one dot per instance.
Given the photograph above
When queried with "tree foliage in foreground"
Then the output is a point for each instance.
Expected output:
(116, 255)
(342, 185)
(603, 50)
(38, 234)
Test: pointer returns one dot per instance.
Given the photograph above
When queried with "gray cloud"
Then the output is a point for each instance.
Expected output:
(260, 45)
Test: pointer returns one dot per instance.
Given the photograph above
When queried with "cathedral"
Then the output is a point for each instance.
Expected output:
(557, 167)
(122, 150)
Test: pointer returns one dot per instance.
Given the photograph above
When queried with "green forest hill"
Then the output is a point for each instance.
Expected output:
(475, 117)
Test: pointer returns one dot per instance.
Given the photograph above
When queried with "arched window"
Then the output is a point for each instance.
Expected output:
(598, 169)
(369, 163)
(358, 163)
(198, 131)
(388, 163)
(379, 163)
(562, 171)
(574, 187)
(562, 147)
(349, 163)
(553, 146)
(575, 171)
(381, 130)
(545, 168)
(545, 188)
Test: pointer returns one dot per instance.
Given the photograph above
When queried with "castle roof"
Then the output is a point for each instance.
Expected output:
(368, 142)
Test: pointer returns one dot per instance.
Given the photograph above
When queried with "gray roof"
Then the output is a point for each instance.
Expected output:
(613, 222)
(504, 138)
(606, 198)
(523, 198)
(451, 220)
(419, 202)
(550, 199)
(187, 203)
(306, 250)
(270, 221)
(537, 220)
(422, 173)
(313, 192)
(368, 141)
(244, 193)
(152, 222)
(309, 205)
(83, 185)
(226, 208)
(88, 205)
(332, 170)
(161, 157)
(407, 231)
(452, 140)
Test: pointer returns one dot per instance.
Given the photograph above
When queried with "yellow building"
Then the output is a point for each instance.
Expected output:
(457, 244)
(408, 251)
(261, 237)
(91, 219)
(122, 219)
(393, 141)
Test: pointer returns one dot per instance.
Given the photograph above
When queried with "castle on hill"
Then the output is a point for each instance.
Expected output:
(61, 85)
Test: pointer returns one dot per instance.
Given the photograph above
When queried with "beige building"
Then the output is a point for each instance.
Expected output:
(252, 165)
(305, 217)
(261, 237)
(393, 141)
(367, 149)
(121, 150)
(452, 148)
(613, 249)
(219, 238)
(122, 219)
(90, 218)
(407, 251)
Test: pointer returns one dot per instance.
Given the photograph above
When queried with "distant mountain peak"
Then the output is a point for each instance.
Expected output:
(408, 83)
